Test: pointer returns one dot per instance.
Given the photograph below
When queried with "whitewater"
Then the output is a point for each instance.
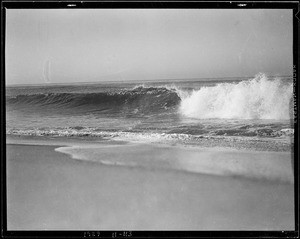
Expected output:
(191, 117)
(247, 109)
(258, 98)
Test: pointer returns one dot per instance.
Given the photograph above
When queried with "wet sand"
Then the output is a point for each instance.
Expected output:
(48, 190)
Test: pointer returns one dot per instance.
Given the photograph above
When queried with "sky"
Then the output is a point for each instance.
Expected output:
(91, 45)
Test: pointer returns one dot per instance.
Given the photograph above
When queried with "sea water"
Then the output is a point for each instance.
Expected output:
(257, 107)
(239, 113)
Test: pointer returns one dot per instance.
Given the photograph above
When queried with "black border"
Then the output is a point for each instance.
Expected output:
(296, 43)
(147, 4)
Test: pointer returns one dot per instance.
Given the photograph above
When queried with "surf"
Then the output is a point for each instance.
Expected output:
(257, 98)
(140, 99)
(261, 97)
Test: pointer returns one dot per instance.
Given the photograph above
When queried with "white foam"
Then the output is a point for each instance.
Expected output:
(258, 98)
(270, 166)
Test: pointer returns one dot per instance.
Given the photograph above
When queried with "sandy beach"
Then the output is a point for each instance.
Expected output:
(48, 190)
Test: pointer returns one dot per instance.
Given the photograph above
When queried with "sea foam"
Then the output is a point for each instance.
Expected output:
(258, 98)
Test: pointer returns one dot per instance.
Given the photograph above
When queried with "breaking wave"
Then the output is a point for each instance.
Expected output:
(140, 99)
(258, 98)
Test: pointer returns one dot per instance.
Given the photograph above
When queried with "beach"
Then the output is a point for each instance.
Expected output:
(50, 190)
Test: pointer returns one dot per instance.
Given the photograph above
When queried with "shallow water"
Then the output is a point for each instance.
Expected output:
(263, 166)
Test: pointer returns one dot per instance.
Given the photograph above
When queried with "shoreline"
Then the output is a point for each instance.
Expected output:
(235, 143)
(218, 161)
(48, 190)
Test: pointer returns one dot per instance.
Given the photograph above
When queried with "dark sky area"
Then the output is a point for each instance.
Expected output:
(142, 44)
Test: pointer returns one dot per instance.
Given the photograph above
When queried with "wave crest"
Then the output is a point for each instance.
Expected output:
(258, 98)
(140, 99)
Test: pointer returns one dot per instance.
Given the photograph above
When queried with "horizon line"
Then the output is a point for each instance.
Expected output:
(132, 81)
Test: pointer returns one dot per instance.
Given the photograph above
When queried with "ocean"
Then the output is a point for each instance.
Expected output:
(242, 114)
